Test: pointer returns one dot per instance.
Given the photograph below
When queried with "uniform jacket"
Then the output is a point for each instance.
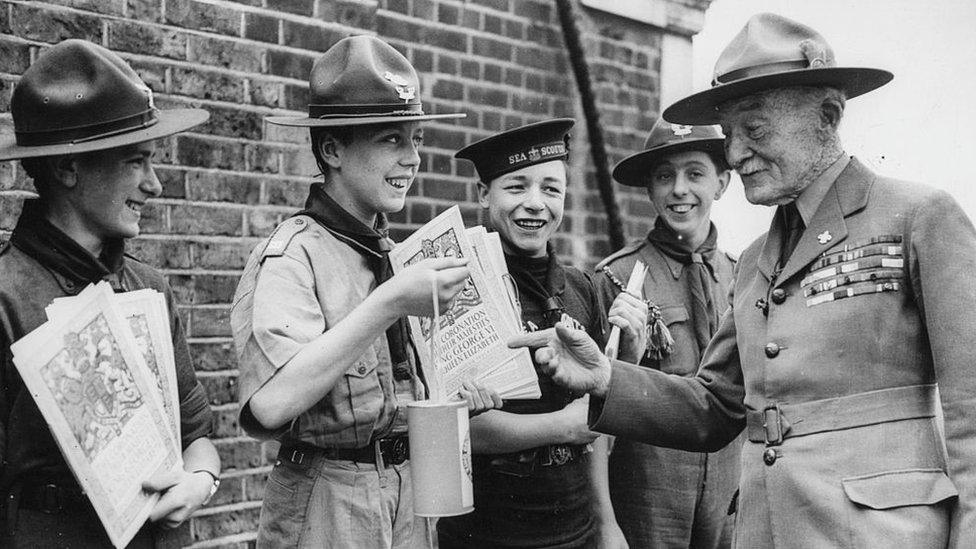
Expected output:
(298, 283)
(875, 306)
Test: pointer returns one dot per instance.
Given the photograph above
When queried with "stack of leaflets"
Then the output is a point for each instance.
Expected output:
(469, 342)
(102, 373)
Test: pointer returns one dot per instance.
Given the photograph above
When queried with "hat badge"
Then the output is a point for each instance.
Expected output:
(534, 154)
(680, 129)
(403, 89)
(149, 96)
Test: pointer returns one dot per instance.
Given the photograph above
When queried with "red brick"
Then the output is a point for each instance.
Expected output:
(286, 192)
(470, 69)
(53, 26)
(210, 357)
(207, 85)
(500, 5)
(14, 58)
(163, 254)
(482, 95)
(224, 53)
(445, 190)
(153, 218)
(360, 15)
(448, 89)
(205, 17)
(443, 138)
(398, 6)
(448, 14)
(254, 485)
(290, 64)
(207, 527)
(213, 322)
(447, 64)
(532, 10)
(240, 454)
(264, 93)
(148, 11)
(262, 222)
(422, 60)
(514, 29)
(153, 74)
(492, 24)
(221, 254)
(209, 220)
(221, 187)
(535, 104)
(231, 491)
(173, 182)
(230, 122)
(296, 97)
(302, 163)
(489, 47)
(545, 60)
(300, 7)
(108, 7)
(261, 27)
(492, 73)
(209, 153)
(317, 38)
(262, 158)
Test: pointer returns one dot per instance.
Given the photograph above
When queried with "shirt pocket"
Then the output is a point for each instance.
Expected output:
(891, 489)
(365, 396)
(682, 360)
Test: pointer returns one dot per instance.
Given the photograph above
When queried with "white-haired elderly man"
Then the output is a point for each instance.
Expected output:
(844, 318)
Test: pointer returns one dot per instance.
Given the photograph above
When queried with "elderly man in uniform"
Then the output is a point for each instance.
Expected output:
(84, 131)
(845, 318)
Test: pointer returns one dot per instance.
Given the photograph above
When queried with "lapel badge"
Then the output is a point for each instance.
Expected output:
(824, 237)
(680, 129)
(404, 91)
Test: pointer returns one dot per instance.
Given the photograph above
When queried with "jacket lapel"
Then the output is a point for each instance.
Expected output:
(847, 195)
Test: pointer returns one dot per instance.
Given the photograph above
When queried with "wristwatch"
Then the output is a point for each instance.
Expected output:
(213, 487)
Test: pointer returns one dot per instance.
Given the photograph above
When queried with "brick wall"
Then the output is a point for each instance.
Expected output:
(227, 183)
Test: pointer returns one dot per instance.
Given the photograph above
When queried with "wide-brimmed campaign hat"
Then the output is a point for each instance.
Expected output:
(667, 138)
(772, 51)
(361, 80)
(519, 147)
(80, 97)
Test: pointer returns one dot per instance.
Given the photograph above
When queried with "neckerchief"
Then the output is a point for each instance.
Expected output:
(39, 238)
(328, 213)
(539, 279)
(699, 270)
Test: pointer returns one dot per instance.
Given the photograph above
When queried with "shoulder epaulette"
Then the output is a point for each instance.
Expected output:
(283, 234)
(622, 252)
(732, 257)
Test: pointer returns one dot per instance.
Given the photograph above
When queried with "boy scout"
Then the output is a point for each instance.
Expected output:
(326, 360)
(664, 497)
(534, 484)
(84, 125)
(845, 317)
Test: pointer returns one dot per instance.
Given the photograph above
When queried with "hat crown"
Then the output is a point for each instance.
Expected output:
(771, 43)
(362, 75)
(665, 133)
(77, 91)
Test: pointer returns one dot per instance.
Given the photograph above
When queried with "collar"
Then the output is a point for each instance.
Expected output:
(675, 266)
(327, 212)
(809, 200)
(73, 266)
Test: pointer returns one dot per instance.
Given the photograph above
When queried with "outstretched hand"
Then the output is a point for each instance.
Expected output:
(570, 357)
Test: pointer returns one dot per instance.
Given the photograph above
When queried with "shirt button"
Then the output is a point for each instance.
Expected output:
(779, 296)
(772, 350)
(361, 370)
(299, 222)
(769, 456)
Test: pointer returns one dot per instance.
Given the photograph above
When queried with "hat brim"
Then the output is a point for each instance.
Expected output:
(168, 122)
(634, 170)
(307, 122)
(702, 108)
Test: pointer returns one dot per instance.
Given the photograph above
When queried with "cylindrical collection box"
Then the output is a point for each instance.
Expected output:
(440, 458)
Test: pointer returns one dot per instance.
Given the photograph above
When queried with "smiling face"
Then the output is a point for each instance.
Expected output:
(682, 188)
(372, 173)
(526, 206)
(778, 142)
(105, 194)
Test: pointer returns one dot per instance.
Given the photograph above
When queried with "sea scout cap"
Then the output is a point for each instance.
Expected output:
(361, 80)
(667, 138)
(772, 51)
(520, 147)
(80, 97)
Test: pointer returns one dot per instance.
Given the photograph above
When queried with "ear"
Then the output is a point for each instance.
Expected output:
(65, 170)
(723, 183)
(831, 111)
(331, 150)
(483, 194)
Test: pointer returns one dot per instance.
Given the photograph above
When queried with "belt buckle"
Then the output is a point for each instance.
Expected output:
(50, 501)
(558, 454)
(394, 453)
(773, 423)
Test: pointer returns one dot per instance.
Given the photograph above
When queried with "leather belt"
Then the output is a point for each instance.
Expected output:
(383, 452)
(49, 498)
(777, 422)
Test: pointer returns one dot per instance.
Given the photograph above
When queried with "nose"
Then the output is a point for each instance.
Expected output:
(680, 185)
(411, 153)
(736, 150)
(533, 199)
(150, 183)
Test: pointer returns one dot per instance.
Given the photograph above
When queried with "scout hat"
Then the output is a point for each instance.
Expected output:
(519, 147)
(772, 51)
(80, 97)
(667, 138)
(361, 80)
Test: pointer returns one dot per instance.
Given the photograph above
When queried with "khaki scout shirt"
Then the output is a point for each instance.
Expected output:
(297, 284)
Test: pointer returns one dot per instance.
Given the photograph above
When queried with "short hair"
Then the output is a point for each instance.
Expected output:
(39, 170)
(342, 134)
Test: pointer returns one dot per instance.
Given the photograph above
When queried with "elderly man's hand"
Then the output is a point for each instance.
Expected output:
(570, 357)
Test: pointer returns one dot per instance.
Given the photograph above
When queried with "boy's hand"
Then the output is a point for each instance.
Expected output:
(574, 426)
(479, 399)
(182, 493)
(629, 313)
(410, 289)
(570, 357)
